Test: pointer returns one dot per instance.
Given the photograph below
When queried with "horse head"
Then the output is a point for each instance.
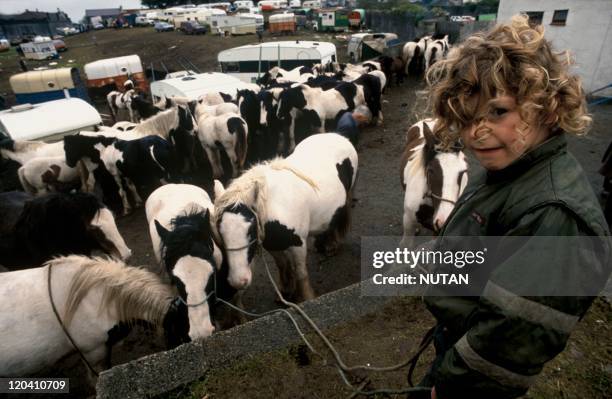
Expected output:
(446, 177)
(238, 227)
(191, 260)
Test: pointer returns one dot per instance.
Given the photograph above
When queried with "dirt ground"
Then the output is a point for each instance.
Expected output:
(389, 335)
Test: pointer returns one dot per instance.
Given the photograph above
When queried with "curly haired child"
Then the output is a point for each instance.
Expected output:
(511, 100)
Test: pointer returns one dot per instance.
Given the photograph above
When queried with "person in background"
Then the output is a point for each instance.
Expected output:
(349, 123)
(512, 101)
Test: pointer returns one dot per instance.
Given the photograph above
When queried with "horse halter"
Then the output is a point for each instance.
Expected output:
(179, 299)
(430, 194)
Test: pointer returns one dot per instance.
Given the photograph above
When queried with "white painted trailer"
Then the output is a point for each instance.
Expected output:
(195, 85)
(253, 60)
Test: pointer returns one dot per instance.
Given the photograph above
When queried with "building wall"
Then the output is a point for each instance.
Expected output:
(587, 34)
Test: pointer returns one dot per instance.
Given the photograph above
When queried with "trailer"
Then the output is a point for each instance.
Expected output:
(238, 24)
(193, 86)
(251, 61)
(39, 49)
(111, 73)
(52, 84)
(282, 23)
(364, 46)
(356, 18)
(333, 20)
(48, 121)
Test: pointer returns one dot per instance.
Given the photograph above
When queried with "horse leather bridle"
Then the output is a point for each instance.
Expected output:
(59, 320)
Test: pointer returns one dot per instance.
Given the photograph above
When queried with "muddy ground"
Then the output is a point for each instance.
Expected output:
(377, 211)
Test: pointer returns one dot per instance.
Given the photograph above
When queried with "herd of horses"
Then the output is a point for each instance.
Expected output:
(220, 178)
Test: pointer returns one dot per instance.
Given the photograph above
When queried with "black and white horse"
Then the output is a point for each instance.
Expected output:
(226, 134)
(433, 180)
(436, 50)
(121, 101)
(279, 204)
(182, 237)
(146, 162)
(96, 299)
(317, 106)
(35, 229)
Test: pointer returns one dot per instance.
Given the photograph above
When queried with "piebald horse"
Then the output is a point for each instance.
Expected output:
(279, 204)
(432, 180)
(95, 300)
(181, 233)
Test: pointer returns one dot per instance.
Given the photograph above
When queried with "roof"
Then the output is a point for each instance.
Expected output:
(49, 119)
(110, 67)
(34, 16)
(103, 12)
(41, 81)
(193, 86)
(292, 44)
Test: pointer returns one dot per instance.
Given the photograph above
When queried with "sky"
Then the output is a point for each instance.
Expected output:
(74, 8)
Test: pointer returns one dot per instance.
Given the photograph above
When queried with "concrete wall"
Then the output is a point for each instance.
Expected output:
(587, 34)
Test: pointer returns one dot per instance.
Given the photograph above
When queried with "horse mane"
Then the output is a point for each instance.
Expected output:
(134, 292)
(193, 226)
(159, 124)
(57, 218)
(250, 189)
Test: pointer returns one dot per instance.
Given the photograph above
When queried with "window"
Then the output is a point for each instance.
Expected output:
(535, 17)
(559, 17)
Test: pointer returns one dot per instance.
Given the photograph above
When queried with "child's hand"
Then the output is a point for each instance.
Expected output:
(433, 393)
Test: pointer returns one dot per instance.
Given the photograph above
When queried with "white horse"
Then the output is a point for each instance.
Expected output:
(92, 296)
(118, 101)
(182, 237)
(432, 180)
(47, 174)
(280, 203)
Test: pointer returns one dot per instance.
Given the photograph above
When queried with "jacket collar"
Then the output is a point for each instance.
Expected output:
(546, 150)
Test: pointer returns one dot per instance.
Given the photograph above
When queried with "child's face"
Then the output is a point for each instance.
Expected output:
(495, 140)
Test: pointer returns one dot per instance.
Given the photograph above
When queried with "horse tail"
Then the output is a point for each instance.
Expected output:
(236, 126)
(27, 187)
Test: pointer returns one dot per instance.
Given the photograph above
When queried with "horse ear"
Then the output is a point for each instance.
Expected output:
(430, 142)
(161, 230)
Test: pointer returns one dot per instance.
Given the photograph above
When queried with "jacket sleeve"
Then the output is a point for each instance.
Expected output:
(511, 336)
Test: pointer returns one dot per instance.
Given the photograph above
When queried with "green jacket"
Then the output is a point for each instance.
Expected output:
(500, 341)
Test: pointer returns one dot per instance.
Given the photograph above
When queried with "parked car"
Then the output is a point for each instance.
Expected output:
(163, 27)
(144, 21)
(60, 45)
(193, 28)
(98, 26)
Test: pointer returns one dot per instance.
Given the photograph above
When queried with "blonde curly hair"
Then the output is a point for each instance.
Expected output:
(511, 59)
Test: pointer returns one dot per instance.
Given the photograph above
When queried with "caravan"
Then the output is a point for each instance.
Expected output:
(249, 62)
(42, 48)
